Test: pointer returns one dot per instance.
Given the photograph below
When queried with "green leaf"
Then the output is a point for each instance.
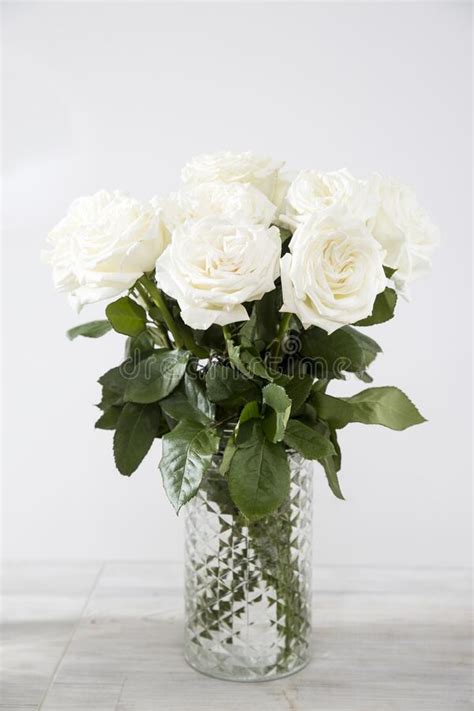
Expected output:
(365, 377)
(344, 350)
(189, 342)
(163, 426)
(92, 329)
(156, 376)
(229, 452)
(109, 419)
(275, 397)
(331, 470)
(262, 327)
(233, 352)
(320, 386)
(255, 365)
(389, 272)
(246, 359)
(212, 338)
(250, 411)
(136, 430)
(189, 401)
(177, 406)
(298, 389)
(113, 382)
(251, 364)
(332, 464)
(387, 406)
(195, 390)
(259, 475)
(308, 415)
(228, 387)
(248, 332)
(384, 308)
(187, 454)
(126, 316)
(310, 443)
(138, 347)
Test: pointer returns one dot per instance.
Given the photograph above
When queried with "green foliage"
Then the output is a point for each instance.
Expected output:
(387, 406)
(134, 435)
(156, 376)
(126, 316)
(332, 463)
(310, 443)
(389, 272)
(189, 401)
(298, 389)
(113, 384)
(109, 419)
(248, 362)
(384, 308)
(250, 411)
(230, 388)
(277, 411)
(212, 339)
(92, 329)
(229, 452)
(262, 327)
(187, 453)
(265, 380)
(140, 346)
(344, 350)
(259, 474)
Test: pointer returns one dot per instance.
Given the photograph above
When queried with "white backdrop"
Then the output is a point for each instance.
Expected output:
(121, 95)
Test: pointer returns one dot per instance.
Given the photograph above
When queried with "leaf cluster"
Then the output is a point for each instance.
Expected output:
(240, 398)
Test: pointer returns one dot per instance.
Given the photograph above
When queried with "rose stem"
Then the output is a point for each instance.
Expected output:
(159, 301)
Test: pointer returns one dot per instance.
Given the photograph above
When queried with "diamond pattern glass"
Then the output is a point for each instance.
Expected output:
(248, 586)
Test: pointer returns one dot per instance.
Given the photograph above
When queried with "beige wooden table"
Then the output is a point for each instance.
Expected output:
(93, 637)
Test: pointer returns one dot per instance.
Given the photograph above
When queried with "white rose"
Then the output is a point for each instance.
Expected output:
(404, 230)
(333, 272)
(212, 267)
(312, 192)
(236, 202)
(229, 167)
(103, 245)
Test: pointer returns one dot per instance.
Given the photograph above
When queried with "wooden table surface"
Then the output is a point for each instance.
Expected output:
(108, 637)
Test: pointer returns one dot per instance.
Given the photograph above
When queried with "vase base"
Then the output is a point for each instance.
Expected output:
(249, 676)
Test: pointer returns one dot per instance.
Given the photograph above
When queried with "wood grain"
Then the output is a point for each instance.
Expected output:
(86, 638)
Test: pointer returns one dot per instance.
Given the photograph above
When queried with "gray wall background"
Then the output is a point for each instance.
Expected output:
(121, 95)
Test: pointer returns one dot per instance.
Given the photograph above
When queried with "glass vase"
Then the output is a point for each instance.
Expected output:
(248, 585)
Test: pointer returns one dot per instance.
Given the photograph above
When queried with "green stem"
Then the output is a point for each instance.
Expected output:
(157, 298)
(144, 294)
(282, 329)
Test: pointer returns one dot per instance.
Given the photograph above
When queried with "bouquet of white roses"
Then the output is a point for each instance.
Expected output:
(238, 296)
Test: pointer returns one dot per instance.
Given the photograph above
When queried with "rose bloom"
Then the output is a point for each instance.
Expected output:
(240, 203)
(212, 267)
(333, 272)
(313, 192)
(404, 230)
(103, 245)
(261, 172)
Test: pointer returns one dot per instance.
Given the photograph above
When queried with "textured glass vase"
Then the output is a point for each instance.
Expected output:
(248, 587)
